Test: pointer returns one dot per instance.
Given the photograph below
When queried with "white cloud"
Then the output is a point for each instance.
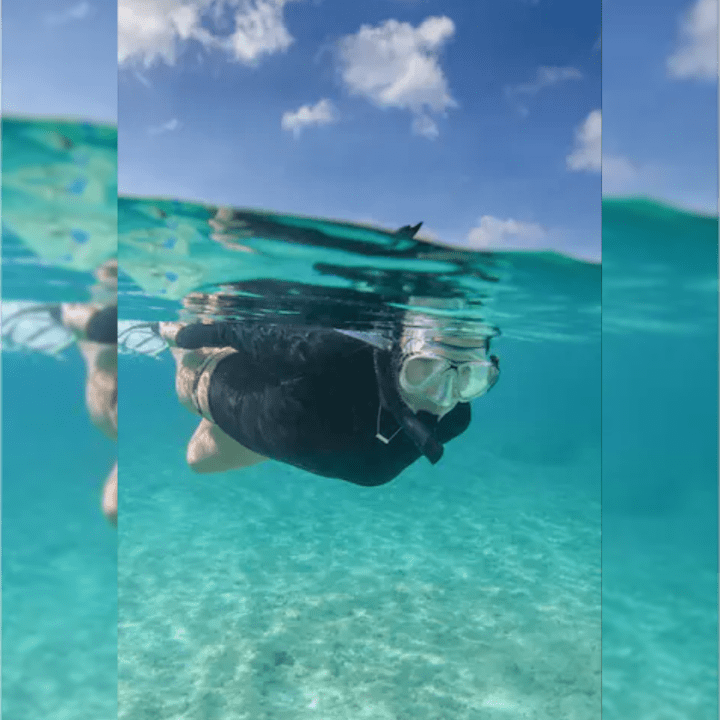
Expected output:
(77, 12)
(545, 77)
(496, 234)
(697, 54)
(397, 65)
(150, 30)
(169, 126)
(322, 113)
(425, 127)
(259, 30)
(153, 31)
(587, 153)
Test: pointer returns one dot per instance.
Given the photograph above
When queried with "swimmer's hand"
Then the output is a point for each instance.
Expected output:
(169, 331)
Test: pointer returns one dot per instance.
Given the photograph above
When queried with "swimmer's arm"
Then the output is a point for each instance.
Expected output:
(210, 450)
(101, 385)
(98, 356)
(276, 351)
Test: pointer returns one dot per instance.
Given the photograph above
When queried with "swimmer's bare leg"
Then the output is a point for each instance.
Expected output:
(210, 450)
(110, 497)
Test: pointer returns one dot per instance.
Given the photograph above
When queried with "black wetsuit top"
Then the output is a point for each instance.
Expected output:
(102, 326)
(310, 398)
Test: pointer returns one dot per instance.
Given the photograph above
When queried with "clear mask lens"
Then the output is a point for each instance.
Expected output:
(476, 379)
(420, 372)
(444, 382)
(443, 393)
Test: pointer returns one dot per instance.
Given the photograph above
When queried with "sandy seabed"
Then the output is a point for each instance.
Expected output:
(273, 594)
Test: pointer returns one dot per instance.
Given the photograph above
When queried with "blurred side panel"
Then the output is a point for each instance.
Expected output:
(660, 360)
(59, 360)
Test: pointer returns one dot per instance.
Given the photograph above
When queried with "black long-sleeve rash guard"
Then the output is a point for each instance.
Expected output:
(309, 397)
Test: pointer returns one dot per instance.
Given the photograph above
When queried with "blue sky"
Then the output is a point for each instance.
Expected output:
(660, 99)
(492, 139)
(476, 118)
(60, 58)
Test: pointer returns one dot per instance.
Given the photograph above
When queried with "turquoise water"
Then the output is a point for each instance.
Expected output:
(59, 555)
(59, 199)
(467, 590)
(470, 589)
(660, 462)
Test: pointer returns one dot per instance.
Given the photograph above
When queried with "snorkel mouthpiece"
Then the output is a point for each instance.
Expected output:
(423, 439)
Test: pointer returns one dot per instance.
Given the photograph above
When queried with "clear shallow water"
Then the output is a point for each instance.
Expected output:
(59, 556)
(470, 589)
(660, 462)
(467, 590)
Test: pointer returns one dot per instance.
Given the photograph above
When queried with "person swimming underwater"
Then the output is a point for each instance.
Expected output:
(352, 406)
(92, 326)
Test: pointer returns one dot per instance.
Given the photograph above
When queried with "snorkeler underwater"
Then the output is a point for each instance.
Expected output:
(368, 468)
(354, 461)
(333, 462)
(358, 408)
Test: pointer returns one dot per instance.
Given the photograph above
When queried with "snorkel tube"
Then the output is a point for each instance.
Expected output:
(405, 417)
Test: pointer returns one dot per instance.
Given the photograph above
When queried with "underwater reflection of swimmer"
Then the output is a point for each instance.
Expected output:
(96, 333)
(93, 327)
(358, 407)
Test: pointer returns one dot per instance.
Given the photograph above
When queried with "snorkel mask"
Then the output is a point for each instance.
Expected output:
(446, 370)
(430, 359)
